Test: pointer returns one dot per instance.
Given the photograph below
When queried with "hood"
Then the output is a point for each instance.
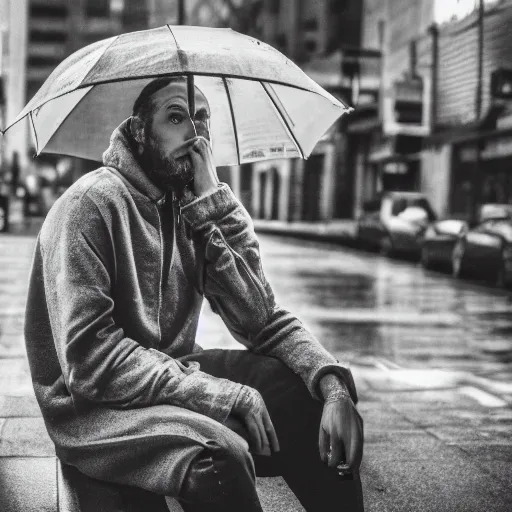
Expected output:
(119, 155)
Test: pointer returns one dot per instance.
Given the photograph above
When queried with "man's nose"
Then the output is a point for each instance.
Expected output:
(191, 129)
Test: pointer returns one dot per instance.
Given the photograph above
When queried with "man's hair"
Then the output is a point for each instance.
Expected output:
(143, 106)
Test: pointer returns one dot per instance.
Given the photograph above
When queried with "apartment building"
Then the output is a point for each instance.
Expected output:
(314, 34)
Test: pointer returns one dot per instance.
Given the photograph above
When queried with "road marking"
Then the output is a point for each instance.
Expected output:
(484, 398)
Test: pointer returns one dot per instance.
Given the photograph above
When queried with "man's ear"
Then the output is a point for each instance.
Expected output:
(137, 131)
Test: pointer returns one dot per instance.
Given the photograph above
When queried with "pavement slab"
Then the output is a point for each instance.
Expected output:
(24, 437)
(19, 406)
(28, 484)
(432, 486)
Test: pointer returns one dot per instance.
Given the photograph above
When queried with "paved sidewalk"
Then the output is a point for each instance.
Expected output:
(410, 464)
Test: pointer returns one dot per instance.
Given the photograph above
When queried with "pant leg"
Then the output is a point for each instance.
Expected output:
(221, 479)
(296, 417)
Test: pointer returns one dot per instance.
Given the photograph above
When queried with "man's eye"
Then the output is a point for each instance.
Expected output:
(175, 118)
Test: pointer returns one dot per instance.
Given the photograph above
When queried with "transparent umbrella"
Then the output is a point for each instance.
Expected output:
(262, 105)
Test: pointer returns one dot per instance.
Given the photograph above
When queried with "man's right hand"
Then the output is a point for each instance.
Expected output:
(251, 409)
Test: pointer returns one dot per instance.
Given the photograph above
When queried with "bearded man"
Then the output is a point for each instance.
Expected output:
(121, 266)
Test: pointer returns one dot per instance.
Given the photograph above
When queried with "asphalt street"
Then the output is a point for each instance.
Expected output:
(432, 359)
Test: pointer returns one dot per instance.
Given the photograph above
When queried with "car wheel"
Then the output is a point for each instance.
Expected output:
(386, 246)
(425, 258)
(458, 261)
(358, 239)
(501, 278)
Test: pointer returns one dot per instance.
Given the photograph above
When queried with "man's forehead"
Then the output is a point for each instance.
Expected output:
(177, 92)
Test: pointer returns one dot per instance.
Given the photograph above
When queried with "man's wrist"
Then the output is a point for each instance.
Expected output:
(333, 389)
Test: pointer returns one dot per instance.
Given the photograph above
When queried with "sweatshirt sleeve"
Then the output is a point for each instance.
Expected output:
(99, 362)
(236, 287)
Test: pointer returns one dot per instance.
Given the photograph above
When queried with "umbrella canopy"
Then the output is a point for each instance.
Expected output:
(262, 105)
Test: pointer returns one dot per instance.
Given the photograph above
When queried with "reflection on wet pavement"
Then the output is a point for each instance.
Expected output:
(426, 329)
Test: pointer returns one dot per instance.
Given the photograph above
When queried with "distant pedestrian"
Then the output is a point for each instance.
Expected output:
(122, 263)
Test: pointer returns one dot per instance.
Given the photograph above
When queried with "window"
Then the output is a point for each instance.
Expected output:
(372, 206)
(311, 24)
(310, 46)
(48, 11)
(401, 204)
(451, 227)
(47, 36)
(274, 7)
(97, 8)
(43, 62)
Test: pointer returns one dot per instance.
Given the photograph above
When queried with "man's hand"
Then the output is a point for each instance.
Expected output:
(251, 409)
(205, 173)
(341, 434)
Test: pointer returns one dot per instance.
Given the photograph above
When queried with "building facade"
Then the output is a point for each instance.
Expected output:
(314, 34)
(473, 127)
(13, 71)
(385, 136)
(434, 125)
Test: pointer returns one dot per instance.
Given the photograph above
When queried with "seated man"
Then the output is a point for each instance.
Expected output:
(121, 266)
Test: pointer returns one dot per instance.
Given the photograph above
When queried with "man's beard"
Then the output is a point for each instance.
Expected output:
(165, 171)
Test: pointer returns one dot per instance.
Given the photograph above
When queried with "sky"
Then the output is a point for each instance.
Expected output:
(446, 9)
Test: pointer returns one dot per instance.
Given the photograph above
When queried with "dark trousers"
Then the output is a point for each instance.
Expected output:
(224, 479)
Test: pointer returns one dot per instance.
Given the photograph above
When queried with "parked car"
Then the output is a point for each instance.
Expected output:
(486, 249)
(395, 222)
(439, 242)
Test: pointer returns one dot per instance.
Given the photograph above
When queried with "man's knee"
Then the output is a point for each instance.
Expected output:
(285, 381)
(218, 470)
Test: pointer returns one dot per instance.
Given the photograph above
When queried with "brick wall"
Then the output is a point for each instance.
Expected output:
(458, 62)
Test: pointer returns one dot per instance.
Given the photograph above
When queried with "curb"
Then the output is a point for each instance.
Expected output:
(320, 232)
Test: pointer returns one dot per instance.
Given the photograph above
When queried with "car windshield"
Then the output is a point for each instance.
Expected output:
(450, 227)
(402, 203)
(504, 229)
(495, 211)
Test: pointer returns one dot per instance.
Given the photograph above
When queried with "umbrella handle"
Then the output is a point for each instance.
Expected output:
(191, 96)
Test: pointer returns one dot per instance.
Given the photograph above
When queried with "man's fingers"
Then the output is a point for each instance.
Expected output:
(270, 431)
(323, 444)
(254, 432)
(265, 446)
(355, 445)
(336, 452)
(185, 148)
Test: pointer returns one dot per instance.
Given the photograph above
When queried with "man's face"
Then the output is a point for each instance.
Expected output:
(168, 129)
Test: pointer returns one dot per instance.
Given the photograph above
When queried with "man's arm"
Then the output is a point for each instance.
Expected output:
(99, 363)
(238, 290)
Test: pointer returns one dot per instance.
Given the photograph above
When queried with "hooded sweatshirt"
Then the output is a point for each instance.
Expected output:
(116, 287)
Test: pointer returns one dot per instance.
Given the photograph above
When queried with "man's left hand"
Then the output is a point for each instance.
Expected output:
(341, 434)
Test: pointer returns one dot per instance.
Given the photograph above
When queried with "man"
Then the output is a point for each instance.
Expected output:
(120, 270)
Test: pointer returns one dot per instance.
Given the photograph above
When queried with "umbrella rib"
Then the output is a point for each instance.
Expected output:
(35, 132)
(285, 121)
(224, 81)
(95, 63)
